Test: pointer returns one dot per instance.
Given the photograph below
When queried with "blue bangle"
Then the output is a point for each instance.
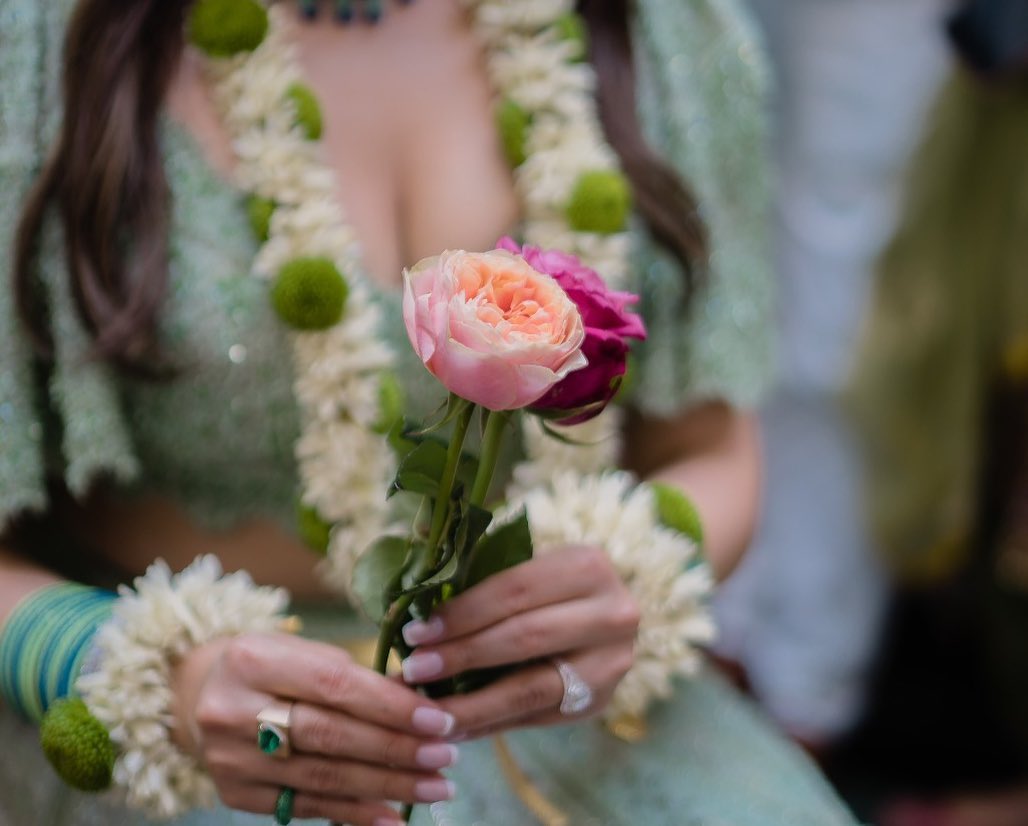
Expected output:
(44, 643)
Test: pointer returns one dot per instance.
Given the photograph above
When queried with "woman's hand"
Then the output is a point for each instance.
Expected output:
(570, 604)
(358, 739)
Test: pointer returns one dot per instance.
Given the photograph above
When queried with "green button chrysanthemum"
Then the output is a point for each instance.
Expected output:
(390, 402)
(512, 122)
(676, 511)
(310, 294)
(77, 745)
(600, 202)
(259, 210)
(314, 531)
(223, 28)
(308, 110)
(570, 27)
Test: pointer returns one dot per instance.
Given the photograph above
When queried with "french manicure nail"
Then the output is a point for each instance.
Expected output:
(387, 821)
(433, 721)
(436, 756)
(418, 632)
(432, 791)
(422, 666)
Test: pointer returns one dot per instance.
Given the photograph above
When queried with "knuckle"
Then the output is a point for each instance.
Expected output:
(234, 797)
(515, 595)
(530, 636)
(531, 697)
(212, 713)
(306, 807)
(622, 662)
(334, 682)
(219, 762)
(243, 654)
(397, 750)
(324, 777)
(594, 565)
(627, 615)
(459, 657)
(322, 735)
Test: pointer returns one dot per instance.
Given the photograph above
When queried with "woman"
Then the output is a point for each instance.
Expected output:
(202, 460)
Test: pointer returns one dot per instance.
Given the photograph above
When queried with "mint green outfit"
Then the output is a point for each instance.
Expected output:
(219, 437)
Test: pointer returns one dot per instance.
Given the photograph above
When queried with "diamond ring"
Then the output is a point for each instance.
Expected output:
(577, 694)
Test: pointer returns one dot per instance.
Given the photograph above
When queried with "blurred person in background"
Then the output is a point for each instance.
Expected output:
(123, 237)
(855, 79)
(941, 397)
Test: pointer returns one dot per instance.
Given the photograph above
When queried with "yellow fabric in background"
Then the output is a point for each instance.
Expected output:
(949, 317)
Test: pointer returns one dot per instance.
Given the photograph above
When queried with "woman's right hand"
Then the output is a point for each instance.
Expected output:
(359, 740)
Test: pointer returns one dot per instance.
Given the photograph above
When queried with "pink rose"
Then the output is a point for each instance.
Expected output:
(608, 323)
(491, 328)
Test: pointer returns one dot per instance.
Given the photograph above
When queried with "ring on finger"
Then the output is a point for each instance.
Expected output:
(273, 723)
(578, 696)
(284, 806)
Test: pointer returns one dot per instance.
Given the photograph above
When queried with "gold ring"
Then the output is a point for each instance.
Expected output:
(273, 730)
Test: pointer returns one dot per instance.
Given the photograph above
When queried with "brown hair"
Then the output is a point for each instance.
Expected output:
(107, 178)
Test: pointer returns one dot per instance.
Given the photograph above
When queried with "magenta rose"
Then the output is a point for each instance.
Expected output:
(608, 326)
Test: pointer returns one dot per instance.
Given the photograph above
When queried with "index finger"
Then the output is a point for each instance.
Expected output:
(546, 580)
(321, 674)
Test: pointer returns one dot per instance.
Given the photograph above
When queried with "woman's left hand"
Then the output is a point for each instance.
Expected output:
(570, 604)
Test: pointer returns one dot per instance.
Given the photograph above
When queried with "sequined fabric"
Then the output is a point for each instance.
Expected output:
(701, 102)
(219, 437)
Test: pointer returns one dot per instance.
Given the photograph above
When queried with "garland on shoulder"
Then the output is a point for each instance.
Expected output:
(576, 199)
(311, 258)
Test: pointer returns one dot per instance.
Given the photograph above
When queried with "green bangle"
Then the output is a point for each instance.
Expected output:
(45, 642)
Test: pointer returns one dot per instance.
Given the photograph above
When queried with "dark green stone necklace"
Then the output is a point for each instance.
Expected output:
(347, 11)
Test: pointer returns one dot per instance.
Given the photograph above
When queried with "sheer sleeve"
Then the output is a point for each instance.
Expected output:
(702, 101)
(63, 419)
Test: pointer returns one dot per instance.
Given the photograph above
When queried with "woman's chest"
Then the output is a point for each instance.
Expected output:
(409, 132)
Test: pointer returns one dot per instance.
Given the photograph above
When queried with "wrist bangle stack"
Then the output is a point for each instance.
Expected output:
(45, 642)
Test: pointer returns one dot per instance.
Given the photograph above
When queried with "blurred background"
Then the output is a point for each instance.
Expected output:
(882, 617)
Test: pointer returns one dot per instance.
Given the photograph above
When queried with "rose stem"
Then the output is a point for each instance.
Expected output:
(495, 422)
(440, 510)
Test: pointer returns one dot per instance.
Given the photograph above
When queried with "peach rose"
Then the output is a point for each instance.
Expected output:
(491, 328)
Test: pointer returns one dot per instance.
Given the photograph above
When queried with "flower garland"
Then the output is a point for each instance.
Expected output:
(341, 366)
(574, 198)
(129, 691)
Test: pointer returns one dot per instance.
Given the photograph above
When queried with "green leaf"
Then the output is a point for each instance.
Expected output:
(377, 574)
(400, 439)
(473, 522)
(406, 436)
(421, 469)
(442, 576)
(507, 546)
(558, 415)
(455, 405)
(677, 511)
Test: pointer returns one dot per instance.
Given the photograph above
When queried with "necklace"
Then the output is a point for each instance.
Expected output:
(573, 198)
(345, 11)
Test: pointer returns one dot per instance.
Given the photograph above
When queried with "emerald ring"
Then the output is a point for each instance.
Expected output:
(284, 806)
(273, 730)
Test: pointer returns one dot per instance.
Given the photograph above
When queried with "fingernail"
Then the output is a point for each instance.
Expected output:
(421, 666)
(387, 821)
(436, 756)
(433, 721)
(418, 632)
(431, 791)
